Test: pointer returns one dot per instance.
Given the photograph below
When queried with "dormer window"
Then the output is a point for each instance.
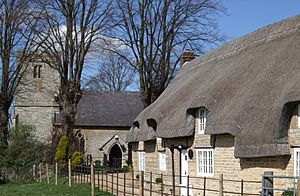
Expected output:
(152, 123)
(37, 71)
(298, 116)
(202, 114)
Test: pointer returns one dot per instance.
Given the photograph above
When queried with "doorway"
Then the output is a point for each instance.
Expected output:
(115, 157)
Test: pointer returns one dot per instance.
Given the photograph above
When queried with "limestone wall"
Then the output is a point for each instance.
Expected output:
(233, 169)
(96, 138)
(35, 100)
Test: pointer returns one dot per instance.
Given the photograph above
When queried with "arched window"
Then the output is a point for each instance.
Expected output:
(80, 141)
(202, 114)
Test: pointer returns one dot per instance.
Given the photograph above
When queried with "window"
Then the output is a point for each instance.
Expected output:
(298, 116)
(297, 162)
(205, 165)
(202, 119)
(37, 71)
(162, 161)
(79, 142)
(141, 161)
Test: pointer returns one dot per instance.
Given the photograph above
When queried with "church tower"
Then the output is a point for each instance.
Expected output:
(35, 104)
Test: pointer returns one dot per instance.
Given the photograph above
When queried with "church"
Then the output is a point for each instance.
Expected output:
(102, 120)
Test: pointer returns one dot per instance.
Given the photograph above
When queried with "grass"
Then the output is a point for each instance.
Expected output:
(43, 189)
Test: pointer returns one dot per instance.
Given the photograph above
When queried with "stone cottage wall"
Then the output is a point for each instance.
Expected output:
(248, 169)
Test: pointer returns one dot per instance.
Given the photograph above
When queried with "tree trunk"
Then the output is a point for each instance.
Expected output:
(4, 119)
(68, 103)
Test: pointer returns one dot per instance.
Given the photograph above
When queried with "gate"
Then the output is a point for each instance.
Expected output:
(268, 182)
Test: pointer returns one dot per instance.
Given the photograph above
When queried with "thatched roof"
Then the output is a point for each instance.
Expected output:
(106, 109)
(248, 86)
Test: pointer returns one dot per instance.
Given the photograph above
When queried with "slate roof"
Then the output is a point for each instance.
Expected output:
(107, 109)
(248, 85)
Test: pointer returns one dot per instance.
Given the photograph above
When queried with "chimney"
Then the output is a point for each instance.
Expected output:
(186, 57)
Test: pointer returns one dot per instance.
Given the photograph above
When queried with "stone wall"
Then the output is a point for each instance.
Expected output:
(96, 138)
(35, 103)
(236, 169)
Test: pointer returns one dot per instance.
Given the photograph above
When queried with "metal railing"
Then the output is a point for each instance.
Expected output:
(268, 181)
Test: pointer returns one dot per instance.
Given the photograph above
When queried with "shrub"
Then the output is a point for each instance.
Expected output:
(62, 153)
(77, 158)
(158, 180)
(97, 164)
(128, 168)
(24, 150)
(288, 192)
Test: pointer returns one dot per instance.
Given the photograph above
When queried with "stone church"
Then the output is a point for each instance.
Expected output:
(102, 120)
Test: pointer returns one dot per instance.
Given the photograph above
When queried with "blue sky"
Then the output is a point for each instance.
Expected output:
(245, 16)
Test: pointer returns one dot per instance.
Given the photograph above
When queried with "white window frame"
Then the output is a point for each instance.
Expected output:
(162, 161)
(298, 116)
(141, 161)
(205, 167)
(296, 162)
(202, 116)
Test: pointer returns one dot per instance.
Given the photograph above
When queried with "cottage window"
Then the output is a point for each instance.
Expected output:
(162, 161)
(205, 165)
(297, 161)
(202, 119)
(141, 161)
(298, 116)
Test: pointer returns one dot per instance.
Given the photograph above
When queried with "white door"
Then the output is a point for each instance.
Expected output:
(184, 172)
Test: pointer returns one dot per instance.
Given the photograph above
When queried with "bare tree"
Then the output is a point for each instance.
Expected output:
(113, 74)
(157, 32)
(69, 29)
(17, 23)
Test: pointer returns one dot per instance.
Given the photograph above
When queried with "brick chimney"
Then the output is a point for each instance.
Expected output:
(186, 57)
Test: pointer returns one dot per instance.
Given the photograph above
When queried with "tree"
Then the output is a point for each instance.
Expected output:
(17, 23)
(24, 150)
(157, 32)
(69, 29)
(113, 74)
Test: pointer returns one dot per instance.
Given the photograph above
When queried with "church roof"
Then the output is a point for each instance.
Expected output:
(106, 109)
(248, 85)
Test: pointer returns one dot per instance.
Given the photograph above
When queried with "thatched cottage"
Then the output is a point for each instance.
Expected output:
(102, 120)
(234, 111)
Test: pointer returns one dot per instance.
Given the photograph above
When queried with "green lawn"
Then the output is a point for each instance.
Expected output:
(43, 188)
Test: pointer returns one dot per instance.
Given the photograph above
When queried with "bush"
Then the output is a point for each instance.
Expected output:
(97, 164)
(77, 158)
(24, 150)
(158, 180)
(62, 153)
(289, 192)
(128, 168)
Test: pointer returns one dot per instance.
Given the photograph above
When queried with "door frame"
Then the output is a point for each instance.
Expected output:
(183, 168)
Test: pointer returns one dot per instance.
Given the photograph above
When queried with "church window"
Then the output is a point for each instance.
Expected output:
(37, 71)
(80, 141)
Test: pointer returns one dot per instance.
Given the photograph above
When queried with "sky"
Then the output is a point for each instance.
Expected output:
(245, 16)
